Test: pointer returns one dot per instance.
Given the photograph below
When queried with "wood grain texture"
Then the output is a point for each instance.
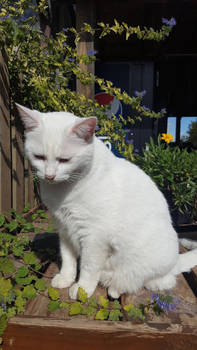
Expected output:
(18, 185)
(5, 141)
(86, 43)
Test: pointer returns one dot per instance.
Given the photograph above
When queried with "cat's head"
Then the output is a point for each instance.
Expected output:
(59, 145)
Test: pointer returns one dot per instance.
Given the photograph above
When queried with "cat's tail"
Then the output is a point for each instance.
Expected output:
(188, 260)
(188, 243)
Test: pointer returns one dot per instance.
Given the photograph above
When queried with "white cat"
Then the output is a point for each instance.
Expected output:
(108, 211)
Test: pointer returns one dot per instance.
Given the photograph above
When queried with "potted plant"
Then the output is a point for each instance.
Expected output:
(175, 173)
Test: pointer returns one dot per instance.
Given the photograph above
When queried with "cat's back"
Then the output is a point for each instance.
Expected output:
(124, 185)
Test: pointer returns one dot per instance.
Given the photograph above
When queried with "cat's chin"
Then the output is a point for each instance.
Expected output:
(53, 182)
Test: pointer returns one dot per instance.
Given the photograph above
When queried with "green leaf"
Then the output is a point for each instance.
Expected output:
(75, 309)
(22, 271)
(24, 281)
(11, 312)
(64, 305)
(12, 226)
(136, 313)
(37, 267)
(5, 286)
(116, 305)
(34, 216)
(2, 220)
(89, 310)
(18, 250)
(28, 227)
(3, 324)
(29, 292)
(40, 284)
(102, 314)
(128, 307)
(54, 294)
(6, 266)
(93, 302)
(115, 315)
(103, 301)
(82, 295)
(30, 258)
(20, 303)
(53, 305)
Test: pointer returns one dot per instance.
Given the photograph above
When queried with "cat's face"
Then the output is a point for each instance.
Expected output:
(59, 145)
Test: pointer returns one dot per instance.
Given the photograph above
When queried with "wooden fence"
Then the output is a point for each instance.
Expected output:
(16, 181)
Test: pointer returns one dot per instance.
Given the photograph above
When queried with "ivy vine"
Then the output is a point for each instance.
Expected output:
(22, 278)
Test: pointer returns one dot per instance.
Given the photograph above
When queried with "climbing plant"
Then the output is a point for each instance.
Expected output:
(41, 67)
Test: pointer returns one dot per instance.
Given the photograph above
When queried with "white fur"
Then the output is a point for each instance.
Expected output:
(108, 211)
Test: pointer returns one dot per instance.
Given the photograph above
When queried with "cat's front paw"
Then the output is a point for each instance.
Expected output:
(113, 293)
(74, 290)
(61, 281)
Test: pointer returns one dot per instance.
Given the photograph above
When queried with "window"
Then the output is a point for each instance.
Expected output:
(186, 123)
(171, 127)
(179, 127)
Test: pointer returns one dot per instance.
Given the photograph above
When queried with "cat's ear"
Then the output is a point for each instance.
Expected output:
(29, 117)
(85, 129)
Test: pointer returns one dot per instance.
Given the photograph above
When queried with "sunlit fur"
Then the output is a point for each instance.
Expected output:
(107, 210)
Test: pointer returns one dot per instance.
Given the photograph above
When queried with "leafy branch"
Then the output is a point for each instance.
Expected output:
(42, 68)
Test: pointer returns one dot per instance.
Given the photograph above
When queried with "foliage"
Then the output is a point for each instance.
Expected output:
(14, 223)
(173, 170)
(104, 309)
(21, 279)
(42, 68)
(192, 134)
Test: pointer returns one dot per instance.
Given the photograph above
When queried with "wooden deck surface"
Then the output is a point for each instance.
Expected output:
(39, 329)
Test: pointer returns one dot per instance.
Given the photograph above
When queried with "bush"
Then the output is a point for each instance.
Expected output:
(42, 68)
(174, 171)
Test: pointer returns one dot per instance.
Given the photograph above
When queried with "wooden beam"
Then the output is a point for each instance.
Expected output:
(18, 200)
(29, 185)
(85, 14)
(5, 142)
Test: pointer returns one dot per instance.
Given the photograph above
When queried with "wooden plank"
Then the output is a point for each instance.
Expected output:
(31, 333)
(29, 185)
(86, 43)
(5, 142)
(18, 199)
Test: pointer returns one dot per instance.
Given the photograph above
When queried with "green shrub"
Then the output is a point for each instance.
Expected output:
(42, 68)
(173, 170)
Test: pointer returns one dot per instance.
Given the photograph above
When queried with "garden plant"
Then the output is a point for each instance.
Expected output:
(173, 170)
(41, 68)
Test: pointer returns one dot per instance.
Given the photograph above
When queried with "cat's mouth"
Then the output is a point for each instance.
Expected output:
(51, 182)
(55, 181)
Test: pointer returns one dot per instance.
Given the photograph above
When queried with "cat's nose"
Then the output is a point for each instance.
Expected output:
(49, 177)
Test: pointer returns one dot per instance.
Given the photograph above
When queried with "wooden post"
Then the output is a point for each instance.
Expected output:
(29, 185)
(85, 13)
(17, 166)
(5, 142)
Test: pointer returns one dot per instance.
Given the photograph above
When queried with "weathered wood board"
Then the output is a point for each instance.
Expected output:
(39, 329)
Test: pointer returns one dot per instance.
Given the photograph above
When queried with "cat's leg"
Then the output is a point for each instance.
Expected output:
(107, 280)
(166, 282)
(93, 257)
(67, 274)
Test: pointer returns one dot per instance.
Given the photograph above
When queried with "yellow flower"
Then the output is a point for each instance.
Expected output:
(167, 138)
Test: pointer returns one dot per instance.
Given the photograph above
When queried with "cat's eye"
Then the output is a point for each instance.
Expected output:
(39, 157)
(63, 160)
